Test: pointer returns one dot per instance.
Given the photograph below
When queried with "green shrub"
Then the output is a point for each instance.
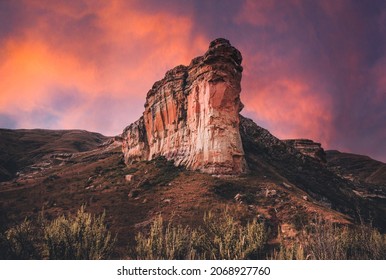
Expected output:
(81, 237)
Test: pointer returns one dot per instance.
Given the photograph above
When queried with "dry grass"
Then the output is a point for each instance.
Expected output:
(83, 237)
(20, 242)
(76, 237)
(222, 237)
(326, 241)
(166, 242)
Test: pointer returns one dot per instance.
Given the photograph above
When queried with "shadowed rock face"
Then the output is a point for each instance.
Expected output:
(192, 115)
(308, 148)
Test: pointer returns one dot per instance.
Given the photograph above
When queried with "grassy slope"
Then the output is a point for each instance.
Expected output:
(362, 167)
(21, 148)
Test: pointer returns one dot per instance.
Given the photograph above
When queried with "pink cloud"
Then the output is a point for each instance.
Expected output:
(290, 108)
(131, 50)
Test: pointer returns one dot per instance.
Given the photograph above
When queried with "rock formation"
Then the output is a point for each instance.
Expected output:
(192, 115)
(308, 147)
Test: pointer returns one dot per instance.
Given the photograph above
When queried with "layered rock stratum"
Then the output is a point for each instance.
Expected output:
(192, 115)
(308, 147)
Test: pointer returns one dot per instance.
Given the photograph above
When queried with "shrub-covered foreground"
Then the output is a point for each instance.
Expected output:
(82, 236)
(221, 236)
(326, 241)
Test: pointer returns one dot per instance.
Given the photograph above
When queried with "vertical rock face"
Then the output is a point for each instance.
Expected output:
(192, 115)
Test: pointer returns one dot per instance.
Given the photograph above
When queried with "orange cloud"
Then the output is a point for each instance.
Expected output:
(31, 68)
(104, 51)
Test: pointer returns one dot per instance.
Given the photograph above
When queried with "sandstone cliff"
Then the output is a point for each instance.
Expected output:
(192, 115)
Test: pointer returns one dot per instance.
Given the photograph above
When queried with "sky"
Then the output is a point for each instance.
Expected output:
(312, 69)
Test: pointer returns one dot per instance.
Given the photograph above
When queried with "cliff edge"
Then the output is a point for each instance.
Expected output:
(192, 115)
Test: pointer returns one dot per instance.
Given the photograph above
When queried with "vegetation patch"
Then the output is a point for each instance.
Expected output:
(227, 190)
(221, 237)
(164, 172)
(323, 240)
(79, 237)
(83, 237)
(299, 220)
(234, 191)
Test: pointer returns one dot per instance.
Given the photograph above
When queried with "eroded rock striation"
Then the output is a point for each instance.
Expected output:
(192, 115)
(308, 147)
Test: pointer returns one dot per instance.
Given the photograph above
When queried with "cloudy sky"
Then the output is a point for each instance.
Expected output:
(312, 69)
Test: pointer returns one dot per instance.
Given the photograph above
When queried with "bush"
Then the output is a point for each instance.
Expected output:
(327, 241)
(166, 243)
(20, 242)
(226, 238)
(3, 247)
(81, 237)
(366, 243)
(299, 220)
(220, 238)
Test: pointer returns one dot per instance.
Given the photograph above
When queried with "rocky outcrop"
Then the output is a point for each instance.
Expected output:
(273, 158)
(308, 148)
(192, 115)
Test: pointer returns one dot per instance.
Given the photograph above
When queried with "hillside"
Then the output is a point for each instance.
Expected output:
(23, 147)
(357, 167)
(97, 178)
